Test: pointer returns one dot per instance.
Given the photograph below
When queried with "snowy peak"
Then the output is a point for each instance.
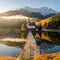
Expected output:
(46, 11)
(28, 9)
(43, 10)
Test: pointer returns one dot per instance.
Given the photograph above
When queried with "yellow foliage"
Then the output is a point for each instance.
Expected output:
(52, 56)
(46, 37)
(22, 27)
(7, 58)
(43, 22)
(37, 35)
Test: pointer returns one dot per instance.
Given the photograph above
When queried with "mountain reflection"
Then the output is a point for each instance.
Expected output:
(11, 33)
(53, 37)
(48, 42)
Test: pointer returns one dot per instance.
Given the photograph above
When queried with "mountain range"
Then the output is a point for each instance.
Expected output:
(40, 13)
(44, 10)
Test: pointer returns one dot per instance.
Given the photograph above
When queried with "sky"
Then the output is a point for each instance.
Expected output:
(6, 5)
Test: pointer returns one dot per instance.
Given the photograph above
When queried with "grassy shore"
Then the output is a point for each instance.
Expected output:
(7, 58)
(52, 56)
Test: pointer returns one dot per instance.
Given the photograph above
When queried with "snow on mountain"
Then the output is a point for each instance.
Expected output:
(43, 10)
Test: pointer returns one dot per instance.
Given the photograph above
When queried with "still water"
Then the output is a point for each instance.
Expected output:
(48, 42)
(11, 48)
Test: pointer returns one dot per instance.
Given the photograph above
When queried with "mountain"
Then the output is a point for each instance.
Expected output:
(44, 10)
(40, 13)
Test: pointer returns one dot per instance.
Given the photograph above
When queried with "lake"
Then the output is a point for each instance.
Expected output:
(48, 42)
(8, 48)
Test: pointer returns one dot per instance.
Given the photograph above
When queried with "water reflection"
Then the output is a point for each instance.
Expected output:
(47, 47)
(11, 33)
(13, 44)
(53, 37)
(10, 48)
(48, 42)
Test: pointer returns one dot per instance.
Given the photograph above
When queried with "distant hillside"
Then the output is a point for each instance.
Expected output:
(52, 22)
(31, 12)
(43, 22)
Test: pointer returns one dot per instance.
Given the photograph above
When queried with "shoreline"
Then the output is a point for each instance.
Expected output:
(51, 56)
(51, 30)
(7, 58)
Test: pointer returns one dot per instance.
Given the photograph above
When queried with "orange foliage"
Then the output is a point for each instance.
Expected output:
(43, 22)
(52, 56)
(7, 58)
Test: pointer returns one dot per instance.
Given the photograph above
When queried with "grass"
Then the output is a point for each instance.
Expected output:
(7, 58)
(52, 56)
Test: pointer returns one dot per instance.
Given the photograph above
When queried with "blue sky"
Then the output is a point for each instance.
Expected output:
(6, 5)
